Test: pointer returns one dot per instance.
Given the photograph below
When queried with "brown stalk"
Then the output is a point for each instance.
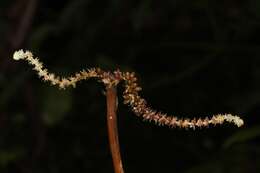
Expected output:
(111, 94)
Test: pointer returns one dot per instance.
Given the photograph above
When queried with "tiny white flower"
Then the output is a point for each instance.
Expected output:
(19, 55)
(239, 122)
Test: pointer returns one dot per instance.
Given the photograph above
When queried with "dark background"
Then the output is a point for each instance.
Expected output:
(192, 58)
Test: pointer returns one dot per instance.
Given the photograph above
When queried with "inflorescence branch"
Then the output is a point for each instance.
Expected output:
(131, 94)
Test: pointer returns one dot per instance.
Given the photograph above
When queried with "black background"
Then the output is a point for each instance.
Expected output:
(192, 59)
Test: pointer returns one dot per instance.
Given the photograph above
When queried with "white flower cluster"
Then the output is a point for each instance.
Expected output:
(19, 55)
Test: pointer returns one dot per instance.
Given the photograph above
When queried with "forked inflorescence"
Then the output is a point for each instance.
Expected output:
(131, 93)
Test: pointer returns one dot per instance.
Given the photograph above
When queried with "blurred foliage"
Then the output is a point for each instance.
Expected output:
(8, 157)
(192, 58)
(243, 136)
(55, 105)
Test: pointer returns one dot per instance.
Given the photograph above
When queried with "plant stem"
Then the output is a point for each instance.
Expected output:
(111, 94)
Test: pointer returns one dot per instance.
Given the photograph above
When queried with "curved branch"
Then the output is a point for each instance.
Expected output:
(131, 94)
